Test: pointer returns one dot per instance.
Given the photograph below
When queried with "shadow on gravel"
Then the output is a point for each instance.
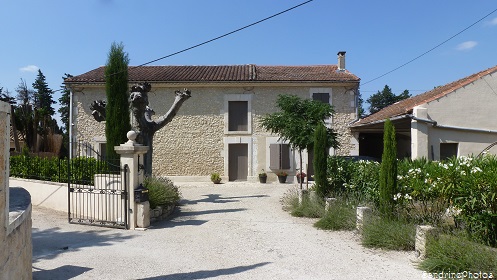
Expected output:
(177, 219)
(59, 273)
(217, 198)
(49, 243)
(203, 274)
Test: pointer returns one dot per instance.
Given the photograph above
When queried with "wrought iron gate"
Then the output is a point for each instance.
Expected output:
(97, 188)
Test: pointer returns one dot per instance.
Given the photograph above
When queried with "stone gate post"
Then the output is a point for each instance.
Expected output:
(132, 155)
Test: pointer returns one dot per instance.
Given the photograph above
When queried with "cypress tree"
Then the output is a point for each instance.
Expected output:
(320, 160)
(116, 88)
(388, 171)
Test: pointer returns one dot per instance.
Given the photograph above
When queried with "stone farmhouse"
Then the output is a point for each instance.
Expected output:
(217, 129)
(456, 119)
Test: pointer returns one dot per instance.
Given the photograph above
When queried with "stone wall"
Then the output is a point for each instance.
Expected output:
(15, 214)
(193, 144)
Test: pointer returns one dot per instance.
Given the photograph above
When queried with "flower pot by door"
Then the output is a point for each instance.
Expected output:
(282, 179)
(263, 179)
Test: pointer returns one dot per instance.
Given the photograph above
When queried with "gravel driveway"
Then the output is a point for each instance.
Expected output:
(226, 231)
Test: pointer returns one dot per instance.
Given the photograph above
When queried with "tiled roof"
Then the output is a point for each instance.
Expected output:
(405, 106)
(232, 73)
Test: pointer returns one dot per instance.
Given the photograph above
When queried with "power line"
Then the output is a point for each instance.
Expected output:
(224, 35)
(430, 50)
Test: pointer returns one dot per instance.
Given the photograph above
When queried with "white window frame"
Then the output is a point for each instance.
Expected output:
(238, 97)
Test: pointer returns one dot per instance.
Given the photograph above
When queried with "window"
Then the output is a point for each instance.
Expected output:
(321, 96)
(448, 150)
(237, 115)
(279, 157)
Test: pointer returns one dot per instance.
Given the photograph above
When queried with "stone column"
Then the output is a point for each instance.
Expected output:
(329, 201)
(419, 134)
(4, 177)
(363, 217)
(422, 235)
(132, 155)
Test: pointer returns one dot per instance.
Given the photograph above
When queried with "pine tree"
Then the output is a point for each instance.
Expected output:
(388, 171)
(384, 98)
(43, 111)
(320, 160)
(116, 87)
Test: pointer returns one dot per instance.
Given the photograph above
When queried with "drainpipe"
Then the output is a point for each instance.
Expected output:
(70, 121)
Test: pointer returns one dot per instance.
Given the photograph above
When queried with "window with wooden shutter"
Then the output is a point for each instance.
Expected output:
(237, 116)
(321, 96)
(279, 156)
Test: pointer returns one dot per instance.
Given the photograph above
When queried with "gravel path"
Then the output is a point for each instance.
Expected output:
(226, 231)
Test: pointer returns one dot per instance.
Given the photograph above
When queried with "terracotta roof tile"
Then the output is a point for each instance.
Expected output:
(405, 106)
(231, 73)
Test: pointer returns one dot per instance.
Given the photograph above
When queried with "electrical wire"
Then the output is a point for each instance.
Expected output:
(219, 37)
(430, 50)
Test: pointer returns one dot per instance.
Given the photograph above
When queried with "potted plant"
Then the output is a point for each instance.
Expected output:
(301, 176)
(262, 177)
(216, 178)
(282, 176)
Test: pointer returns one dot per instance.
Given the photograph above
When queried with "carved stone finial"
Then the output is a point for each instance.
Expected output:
(131, 138)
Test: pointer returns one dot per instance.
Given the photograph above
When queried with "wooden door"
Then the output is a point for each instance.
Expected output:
(238, 162)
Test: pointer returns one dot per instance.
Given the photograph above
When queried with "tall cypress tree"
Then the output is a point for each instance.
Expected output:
(320, 160)
(116, 87)
(388, 171)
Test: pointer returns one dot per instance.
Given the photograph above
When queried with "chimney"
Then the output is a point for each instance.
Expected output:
(341, 61)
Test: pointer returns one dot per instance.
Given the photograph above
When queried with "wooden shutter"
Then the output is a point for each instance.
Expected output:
(237, 115)
(279, 156)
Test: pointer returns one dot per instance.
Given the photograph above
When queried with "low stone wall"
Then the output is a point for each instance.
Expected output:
(17, 252)
(160, 213)
(44, 193)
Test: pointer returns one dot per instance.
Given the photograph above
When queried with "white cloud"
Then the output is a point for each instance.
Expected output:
(466, 46)
(492, 22)
(29, 68)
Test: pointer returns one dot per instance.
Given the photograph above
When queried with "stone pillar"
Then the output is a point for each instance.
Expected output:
(4, 177)
(419, 134)
(328, 202)
(132, 155)
(363, 216)
(422, 234)
(301, 193)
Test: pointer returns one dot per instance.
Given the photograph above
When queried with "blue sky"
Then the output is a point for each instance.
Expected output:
(63, 36)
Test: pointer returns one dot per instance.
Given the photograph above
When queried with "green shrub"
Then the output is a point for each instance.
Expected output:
(339, 172)
(161, 191)
(391, 234)
(53, 169)
(340, 216)
(364, 182)
(309, 208)
(215, 177)
(456, 253)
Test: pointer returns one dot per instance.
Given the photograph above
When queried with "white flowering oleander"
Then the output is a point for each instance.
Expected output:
(475, 169)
